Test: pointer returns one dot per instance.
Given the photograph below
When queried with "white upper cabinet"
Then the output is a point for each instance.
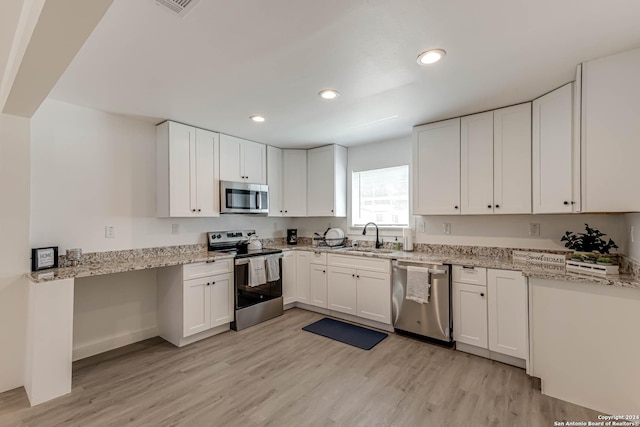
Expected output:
(187, 171)
(242, 160)
(294, 184)
(495, 161)
(436, 168)
(274, 180)
(611, 133)
(327, 181)
(555, 158)
(476, 164)
(512, 159)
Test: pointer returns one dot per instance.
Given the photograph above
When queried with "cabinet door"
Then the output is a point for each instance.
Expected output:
(182, 171)
(512, 159)
(436, 168)
(221, 299)
(553, 161)
(508, 313)
(341, 289)
(611, 133)
(318, 285)
(374, 296)
(254, 160)
(294, 184)
(274, 180)
(289, 277)
(470, 314)
(303, 264)
(476, 164)
(230, 158)
(321, 181)
(207, 176)
(196, 303)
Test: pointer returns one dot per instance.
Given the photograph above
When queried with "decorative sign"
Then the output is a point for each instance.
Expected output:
(545, 261)
(43, 258)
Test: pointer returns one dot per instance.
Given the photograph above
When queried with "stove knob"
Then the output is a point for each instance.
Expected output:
(213, 236)
(219, 236)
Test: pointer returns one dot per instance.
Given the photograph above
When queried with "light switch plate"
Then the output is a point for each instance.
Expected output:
(175, 228)
(446, 227)
(109, 232)
(534, 229)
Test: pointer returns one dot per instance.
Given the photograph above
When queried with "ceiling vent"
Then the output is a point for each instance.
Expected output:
(178, 7)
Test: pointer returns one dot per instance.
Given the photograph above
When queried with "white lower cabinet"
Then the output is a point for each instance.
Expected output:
(194, 299)
(342, 289)
(470, 314)
(289, 291)
(354, 285)
(303, 265)
(374, 295)
(508, 313)
(491, 314)
(318, 285)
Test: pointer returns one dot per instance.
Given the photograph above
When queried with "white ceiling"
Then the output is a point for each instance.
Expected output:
(229, 59)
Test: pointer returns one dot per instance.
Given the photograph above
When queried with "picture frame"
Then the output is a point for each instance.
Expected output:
(44, 258)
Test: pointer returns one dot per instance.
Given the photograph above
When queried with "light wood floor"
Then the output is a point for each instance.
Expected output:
(275, 374)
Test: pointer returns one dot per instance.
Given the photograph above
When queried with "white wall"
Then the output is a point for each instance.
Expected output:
(14, 247)
(113, 310)
(632, 230)
(483, 230)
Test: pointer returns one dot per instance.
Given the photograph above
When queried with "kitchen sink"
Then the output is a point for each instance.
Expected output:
(371, 250)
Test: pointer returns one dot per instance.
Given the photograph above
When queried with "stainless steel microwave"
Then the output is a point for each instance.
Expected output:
(241, 197)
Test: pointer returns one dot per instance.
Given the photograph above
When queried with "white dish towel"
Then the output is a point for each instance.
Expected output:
(273, 268)
(418, 284)
(257, 274)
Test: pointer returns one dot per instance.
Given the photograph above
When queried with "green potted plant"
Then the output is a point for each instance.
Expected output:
(588, 244)
(604, 261)
(576, 256)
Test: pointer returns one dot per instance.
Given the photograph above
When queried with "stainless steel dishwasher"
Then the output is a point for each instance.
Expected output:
(432, 319)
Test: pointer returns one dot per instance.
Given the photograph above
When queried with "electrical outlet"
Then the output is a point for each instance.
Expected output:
(175, 228)
(275, 225)
(534, 229)
(421, 226)
(109, 232)
(633, 236)
(446, 227)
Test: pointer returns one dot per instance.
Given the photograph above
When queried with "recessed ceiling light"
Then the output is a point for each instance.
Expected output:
(328, 94)
(431, 56)
(257, 118)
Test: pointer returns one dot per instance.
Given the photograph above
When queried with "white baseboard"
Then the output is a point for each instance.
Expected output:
(484, 352)
(97, 347)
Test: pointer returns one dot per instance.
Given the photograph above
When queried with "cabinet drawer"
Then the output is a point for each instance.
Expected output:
(470, 275)
(318, 258)
(360, 262)
(203, 269)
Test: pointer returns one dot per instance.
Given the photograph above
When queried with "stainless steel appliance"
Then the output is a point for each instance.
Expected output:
(433, 319)
(252, 304)
(241, 197)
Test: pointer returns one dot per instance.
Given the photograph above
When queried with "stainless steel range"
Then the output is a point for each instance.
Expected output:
(255, 301)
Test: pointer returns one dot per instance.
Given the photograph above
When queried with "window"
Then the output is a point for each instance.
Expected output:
(381, 196)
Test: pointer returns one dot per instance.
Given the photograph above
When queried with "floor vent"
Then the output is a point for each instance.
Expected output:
(179, 7)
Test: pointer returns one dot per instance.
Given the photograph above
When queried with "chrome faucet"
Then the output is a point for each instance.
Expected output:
(364, 233)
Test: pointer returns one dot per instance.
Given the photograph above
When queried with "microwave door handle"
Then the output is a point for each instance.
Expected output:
(258, 200)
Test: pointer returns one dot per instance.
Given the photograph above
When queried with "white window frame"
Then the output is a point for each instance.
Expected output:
(393, 230)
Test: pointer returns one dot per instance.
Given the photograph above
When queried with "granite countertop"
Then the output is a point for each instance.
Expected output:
(122, 261)
(110, 265)
(622, 280)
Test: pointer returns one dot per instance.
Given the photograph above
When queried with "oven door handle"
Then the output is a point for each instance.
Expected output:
(243, 261)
